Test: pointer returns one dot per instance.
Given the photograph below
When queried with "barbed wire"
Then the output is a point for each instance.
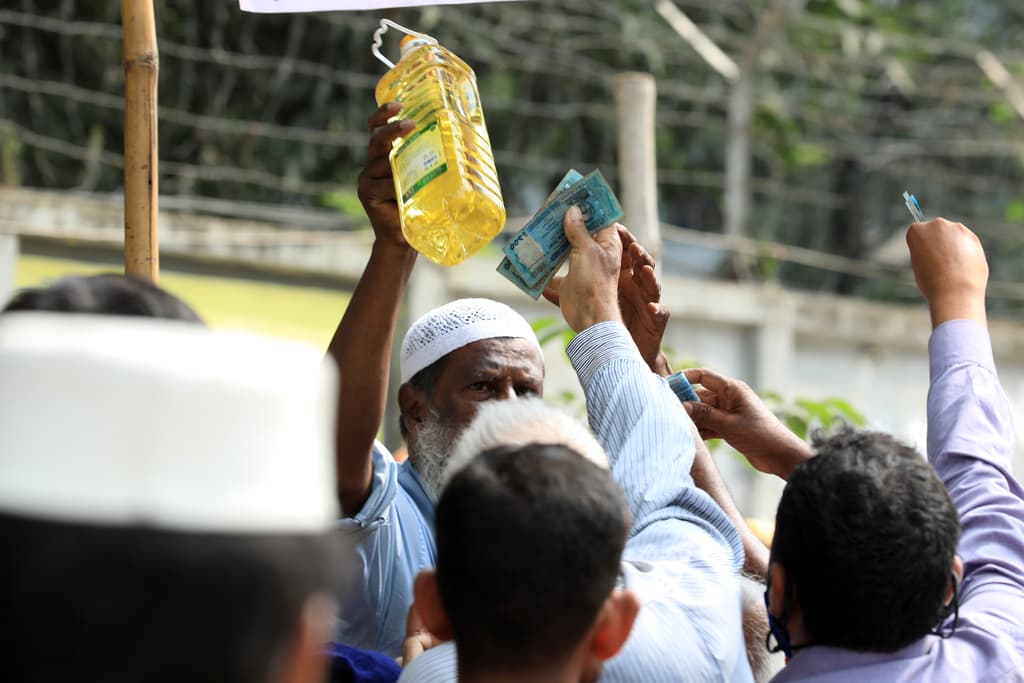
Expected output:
(224, 126)
(941, 132)
(200, 171)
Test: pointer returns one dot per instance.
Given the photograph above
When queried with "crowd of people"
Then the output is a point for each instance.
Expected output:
(184, 504)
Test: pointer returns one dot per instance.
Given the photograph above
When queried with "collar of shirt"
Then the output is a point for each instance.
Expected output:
(409, 479)
(822, 659)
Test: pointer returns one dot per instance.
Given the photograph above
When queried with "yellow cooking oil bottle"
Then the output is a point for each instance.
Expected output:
(445, 180)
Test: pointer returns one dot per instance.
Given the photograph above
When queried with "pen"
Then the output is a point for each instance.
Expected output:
(913, 207)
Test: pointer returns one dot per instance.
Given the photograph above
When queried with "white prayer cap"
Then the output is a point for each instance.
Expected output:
(458, 324)
(128, 421)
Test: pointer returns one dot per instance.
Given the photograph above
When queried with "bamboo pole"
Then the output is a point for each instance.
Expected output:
(141, 169)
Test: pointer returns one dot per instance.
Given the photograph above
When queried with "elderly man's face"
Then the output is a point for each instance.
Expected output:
(487, 370)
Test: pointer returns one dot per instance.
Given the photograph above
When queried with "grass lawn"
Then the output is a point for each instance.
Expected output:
(289, 311)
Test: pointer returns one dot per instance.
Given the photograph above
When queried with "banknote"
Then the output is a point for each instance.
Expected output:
(568, 180)
(539, 249)
(505, 267)
(509, 273)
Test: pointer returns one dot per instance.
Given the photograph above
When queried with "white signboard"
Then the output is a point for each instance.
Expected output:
(328, 5)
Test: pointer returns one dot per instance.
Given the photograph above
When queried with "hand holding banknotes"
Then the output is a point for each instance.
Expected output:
(639, 296)
(588, 294)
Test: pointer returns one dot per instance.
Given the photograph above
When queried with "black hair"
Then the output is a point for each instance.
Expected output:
(92, 604)
(866, 532)
(529, 540)
(108, 294)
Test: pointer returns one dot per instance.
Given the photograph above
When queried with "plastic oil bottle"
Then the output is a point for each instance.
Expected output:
(445, 179)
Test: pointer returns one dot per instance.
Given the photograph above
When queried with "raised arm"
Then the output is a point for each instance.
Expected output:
(707, 477)
(632, 411)
(640, 307)
(970, 426)
(643, 313)
(362, 343)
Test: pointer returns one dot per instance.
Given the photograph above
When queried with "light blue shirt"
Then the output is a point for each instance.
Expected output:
(394, 540)
(970, 443)
(683, 556)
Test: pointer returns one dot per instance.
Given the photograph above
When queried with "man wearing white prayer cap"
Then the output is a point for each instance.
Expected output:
(166, 503)
(453, 359)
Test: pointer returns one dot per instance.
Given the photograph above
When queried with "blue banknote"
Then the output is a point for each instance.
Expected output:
(539, 249)
(509, 273)
(568, 180)
(505, 267)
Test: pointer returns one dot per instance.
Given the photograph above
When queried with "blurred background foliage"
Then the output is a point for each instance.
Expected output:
(803, 416)
(855, 100)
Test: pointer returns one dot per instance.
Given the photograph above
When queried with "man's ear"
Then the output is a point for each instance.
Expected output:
(413, 405)
(776, 589)
(958, 572)
(306, 661)
(613, 624)
(427, 595)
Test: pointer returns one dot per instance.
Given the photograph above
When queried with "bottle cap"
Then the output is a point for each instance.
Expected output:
(410, 43)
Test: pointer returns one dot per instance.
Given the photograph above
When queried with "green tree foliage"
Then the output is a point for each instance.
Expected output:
(855, 101)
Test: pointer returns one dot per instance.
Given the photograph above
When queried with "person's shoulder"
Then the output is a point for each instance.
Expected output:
(988, 637)
(436, 665)
(383, 490)
(702, 615)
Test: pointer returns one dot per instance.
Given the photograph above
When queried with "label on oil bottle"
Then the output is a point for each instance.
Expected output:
(420, 160)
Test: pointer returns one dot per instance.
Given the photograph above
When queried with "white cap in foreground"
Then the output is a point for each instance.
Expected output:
(126, 421)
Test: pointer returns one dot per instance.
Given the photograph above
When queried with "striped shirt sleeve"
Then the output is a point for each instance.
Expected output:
(650, 447)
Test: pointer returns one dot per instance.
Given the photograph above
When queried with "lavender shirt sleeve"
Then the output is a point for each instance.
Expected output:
(970, 444)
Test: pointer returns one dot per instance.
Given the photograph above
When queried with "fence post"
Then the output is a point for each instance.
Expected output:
(635, 104)
(141, 169)
(8, 264)
(737, 155)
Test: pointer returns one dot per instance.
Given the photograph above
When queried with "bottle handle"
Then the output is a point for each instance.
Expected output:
(378, 39)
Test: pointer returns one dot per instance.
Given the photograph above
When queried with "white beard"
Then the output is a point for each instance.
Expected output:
(429, 455)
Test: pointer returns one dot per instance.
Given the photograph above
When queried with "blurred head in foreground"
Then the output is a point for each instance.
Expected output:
(107, 294)
(165, 503)
(530, 535)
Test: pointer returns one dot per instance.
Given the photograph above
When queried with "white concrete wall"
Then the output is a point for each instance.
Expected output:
(799, 345)
(8, 262)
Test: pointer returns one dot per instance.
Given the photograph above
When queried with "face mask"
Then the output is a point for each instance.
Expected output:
(778, 632)
(777, 629)
(783, 644)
